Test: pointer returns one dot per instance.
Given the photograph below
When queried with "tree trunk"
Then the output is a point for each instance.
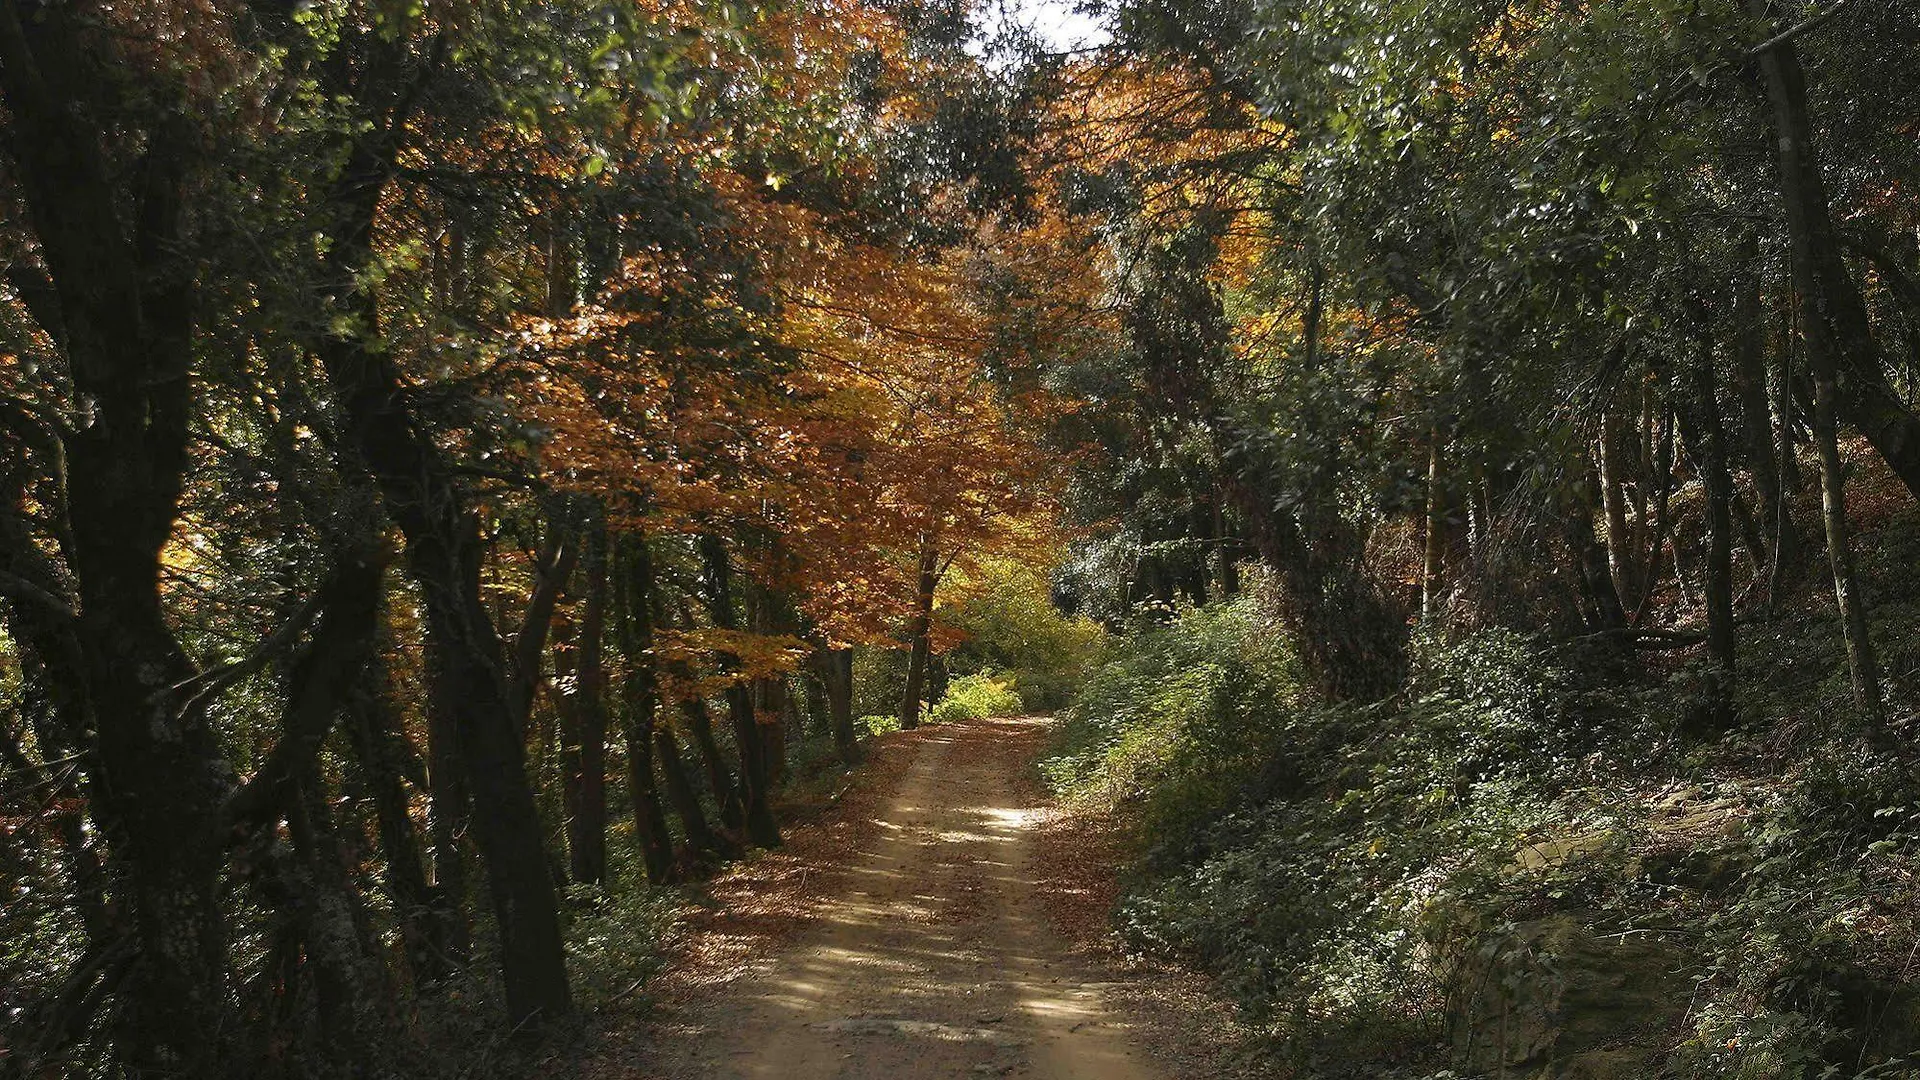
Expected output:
(639, 700)
(465, 660)
(938, 676)
(755, 783)
(1752, 537)
(444, 548)
(818, 724)
(1862, 664)
(319, 686)
(1226, 570)
(1787, 462)
(836, 674)
(919, 633)
(1756, 415)
(773, 701)
(54, 694)
(1621, 553)
(1660, 517)
(754, 787)
(584, 742)
(1711, 452)
(1834, 329)
(1434, 540)
(1834, 319)
(465, 654)
(1784, 400)
(726, 794)
(1196, 569)
(123, 303)
(351, 994)
(448, 805)
(380, 748)
(1645, 556)
(552, 567)
(1479, 517)
(1605, 611)
(649, 820)
(685, 801)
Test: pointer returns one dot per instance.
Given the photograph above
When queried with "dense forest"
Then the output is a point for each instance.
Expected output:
(468, 467)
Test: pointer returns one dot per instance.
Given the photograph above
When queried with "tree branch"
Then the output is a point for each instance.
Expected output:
(21, 589)
(202, 687)
(1813, 22)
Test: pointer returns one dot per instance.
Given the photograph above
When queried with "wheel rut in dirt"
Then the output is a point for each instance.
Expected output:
(931, 956)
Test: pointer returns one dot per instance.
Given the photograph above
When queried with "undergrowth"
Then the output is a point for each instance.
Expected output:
(1357, 877)
(615, 935)
(977, 697)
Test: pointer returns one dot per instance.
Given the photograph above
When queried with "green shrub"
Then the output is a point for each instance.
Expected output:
(1183, 718)
(1006, 613)
(878, 723)
(976, 697)
(616, 935)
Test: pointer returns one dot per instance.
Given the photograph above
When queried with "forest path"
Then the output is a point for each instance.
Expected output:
(931, 955)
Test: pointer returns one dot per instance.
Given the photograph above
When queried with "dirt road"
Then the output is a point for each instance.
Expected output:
(929, 957)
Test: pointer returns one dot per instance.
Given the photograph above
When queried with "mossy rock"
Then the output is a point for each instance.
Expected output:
(1551, 1000)
(1707, 870)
